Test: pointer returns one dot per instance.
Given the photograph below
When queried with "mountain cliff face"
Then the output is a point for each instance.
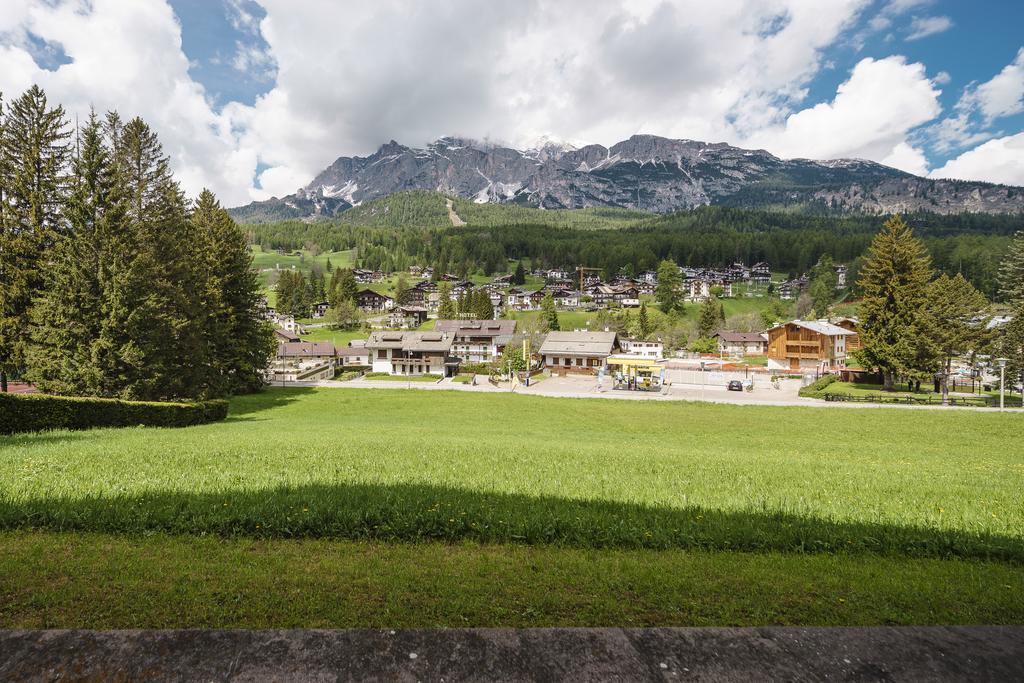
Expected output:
(644, 172)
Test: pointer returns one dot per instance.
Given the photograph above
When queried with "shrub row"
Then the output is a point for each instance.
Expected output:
(38, 412)
(816, 388)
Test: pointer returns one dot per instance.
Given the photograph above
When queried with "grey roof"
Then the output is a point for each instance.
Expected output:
(821, 327)
(579, 343)
(305, 349)
(477, 328)
(409, 341)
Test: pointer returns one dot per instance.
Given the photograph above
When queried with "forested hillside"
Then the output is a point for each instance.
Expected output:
(971, 244)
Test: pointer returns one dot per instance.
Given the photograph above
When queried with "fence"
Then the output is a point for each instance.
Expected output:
(974, 401)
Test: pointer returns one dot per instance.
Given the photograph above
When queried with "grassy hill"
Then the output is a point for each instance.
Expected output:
(337, 507)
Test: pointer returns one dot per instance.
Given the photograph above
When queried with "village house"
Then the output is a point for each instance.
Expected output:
(807, 346)
(741, 343)
(369, 300)
(565, 298)
(578, 352)
(696, 289)
(791, 289)
(853, 341)
(760, 273)
(477, 341)
(411, 353)
(407, 317)
(303, 362)
(320, 309)
(354, 356)
(642, 348)
(648, 276)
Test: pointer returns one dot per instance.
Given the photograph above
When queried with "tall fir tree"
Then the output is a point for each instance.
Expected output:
(822, 288)
(483, 309)
(894, 277)
(348, 288)
(952, 323)
(549, 314)
(238, 340)
(1011, 273)
(68, 354)
(33, 157)
(710, 317)
(669, 290)
(519, 275)
(446, 309)
(643, 323)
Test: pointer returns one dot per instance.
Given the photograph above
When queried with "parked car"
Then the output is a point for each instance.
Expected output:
(735, 385)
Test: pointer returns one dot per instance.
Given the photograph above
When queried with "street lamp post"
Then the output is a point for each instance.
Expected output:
(1002, 382)
(702, 380)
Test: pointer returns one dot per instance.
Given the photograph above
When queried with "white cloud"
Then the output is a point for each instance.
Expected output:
(907, 158)
(922, 27)
(1004, 94)
(996, 161)
(980, 105)
(869, 118)
(126, 55)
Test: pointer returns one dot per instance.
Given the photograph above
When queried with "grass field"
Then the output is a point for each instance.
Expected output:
(515, 510)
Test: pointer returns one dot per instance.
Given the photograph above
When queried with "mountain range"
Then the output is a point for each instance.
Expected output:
(645, 172)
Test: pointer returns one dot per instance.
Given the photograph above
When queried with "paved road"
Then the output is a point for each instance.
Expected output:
(579, 387)
(602, 654)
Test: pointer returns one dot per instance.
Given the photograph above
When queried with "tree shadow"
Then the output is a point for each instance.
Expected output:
(420, 512)
(268, 399)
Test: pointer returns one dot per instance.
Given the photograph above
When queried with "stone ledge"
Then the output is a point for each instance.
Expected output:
(982, 653)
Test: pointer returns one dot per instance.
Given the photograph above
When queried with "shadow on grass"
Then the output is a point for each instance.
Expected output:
(268, 399)
(411, 512)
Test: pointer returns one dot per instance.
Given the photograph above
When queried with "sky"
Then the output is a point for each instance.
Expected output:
(251, 98)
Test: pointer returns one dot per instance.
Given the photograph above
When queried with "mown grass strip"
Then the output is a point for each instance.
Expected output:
(50, 580)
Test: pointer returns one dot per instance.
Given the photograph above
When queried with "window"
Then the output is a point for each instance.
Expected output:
(567, 361)
(381, 354)
(579, 362)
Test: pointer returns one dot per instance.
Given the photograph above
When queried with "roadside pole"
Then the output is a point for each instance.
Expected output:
(1002, 382)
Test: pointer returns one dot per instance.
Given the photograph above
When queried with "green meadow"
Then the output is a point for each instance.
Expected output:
(516, 510)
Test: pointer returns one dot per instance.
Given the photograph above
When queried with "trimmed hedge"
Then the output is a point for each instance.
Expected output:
(39, 412)
(815, 388)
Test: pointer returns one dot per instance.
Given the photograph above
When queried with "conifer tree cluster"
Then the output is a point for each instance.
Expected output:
(111, 282)
(911, 324)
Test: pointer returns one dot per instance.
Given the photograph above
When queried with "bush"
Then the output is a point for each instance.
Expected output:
(816, 388)
(475, 368)
(347, 376)
(39, 412)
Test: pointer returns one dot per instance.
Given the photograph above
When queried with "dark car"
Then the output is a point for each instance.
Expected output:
(735, 385)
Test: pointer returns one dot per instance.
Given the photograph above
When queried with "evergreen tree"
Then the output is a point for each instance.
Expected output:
(822, 287)
(1011, 274)
(157, 350)
(33, 157)
(401, 290)
(709, 317)
(519, 276)
(549, 315)
(239, 342)
(446, 307)
(67, 354)
(894, 278)
(483, 309)
(643, 323)
(348, 288)
(952, 324)
(669, 291)
(1011, 346)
